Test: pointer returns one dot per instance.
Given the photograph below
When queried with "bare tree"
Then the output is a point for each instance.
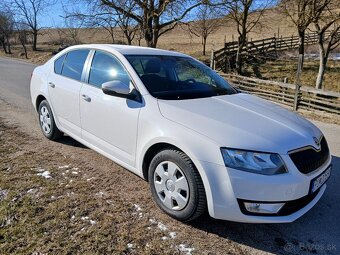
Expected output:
(22, 33)
(108, 22)
(6, 30)
(30, 12)
(246, 14)
(207, 23)
(128, 26)
(302, 13)
(329, 20)
(73, 25)
(155, 17)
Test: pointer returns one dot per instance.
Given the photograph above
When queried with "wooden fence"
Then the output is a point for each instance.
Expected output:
(223, 58)
(288, 94)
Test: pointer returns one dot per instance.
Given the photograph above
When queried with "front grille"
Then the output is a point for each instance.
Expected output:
(307, 160)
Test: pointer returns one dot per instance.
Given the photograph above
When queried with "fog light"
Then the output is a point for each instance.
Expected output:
(263, 207)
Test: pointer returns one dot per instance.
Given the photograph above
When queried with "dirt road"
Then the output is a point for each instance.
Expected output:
(77, 201)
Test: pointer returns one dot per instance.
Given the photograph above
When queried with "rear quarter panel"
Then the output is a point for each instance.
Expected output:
(39, 82)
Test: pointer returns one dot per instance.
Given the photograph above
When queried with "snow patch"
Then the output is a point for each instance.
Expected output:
(130, 245)
(164, 238)
(162, 227)
(3, 194)
(89, 179)
(100, 194)
(45, 174)
(153, 221)
(64, 167)
(137, 207)
(30, 191)
(74, 172)
(172, 234)
(184, 248)
(93, 222)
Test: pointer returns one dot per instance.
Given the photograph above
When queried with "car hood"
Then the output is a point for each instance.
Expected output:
(242, 121)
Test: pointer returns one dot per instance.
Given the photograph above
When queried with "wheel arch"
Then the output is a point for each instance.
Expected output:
(151, 152)
(38, 101)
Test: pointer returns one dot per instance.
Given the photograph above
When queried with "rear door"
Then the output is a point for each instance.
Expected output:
(109, 122)
(64, 88)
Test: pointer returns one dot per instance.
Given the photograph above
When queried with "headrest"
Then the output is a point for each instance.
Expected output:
(153, 66)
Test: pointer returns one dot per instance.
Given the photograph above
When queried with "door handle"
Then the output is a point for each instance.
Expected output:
(51, 84)
(86, 98)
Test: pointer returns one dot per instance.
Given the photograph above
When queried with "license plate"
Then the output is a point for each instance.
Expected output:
(320, 180)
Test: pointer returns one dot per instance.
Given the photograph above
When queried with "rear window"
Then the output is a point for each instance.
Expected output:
(74, 64)
(58, 64)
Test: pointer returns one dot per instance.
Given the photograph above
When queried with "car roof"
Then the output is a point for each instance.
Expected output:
(130, 50)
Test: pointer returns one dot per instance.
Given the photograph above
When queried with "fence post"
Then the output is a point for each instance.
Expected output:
(212, 64)
(291, 42)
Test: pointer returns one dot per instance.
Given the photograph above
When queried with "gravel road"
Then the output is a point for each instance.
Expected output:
(317, 232)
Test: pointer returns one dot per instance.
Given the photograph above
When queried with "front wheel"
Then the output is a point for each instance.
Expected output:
(176, 185)
(47, 123)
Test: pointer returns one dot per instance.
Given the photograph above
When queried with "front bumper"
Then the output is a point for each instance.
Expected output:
(228, 187)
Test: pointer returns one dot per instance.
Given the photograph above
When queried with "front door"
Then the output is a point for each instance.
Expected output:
(108, 122)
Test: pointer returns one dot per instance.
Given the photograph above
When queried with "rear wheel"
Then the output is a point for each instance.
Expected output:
(47, 123)
(176, 185)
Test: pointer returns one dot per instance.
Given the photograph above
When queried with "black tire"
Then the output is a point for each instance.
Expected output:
(196, 204)
(53, 133)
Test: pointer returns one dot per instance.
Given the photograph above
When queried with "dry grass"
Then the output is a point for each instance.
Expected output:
(69, 213)
(279, 69)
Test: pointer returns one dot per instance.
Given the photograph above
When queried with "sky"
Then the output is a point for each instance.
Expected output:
(53, 15)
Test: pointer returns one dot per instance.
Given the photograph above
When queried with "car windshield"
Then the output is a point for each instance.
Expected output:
(175, 78)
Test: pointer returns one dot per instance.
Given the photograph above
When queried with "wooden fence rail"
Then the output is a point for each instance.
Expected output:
(221, 59)
(285, 93)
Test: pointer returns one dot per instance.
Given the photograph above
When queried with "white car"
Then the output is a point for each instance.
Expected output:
(170, 119)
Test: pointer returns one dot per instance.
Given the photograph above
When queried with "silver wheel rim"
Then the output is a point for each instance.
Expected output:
(45, 120)
(171, 185)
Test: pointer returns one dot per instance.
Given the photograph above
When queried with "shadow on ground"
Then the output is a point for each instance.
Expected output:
(67, 140)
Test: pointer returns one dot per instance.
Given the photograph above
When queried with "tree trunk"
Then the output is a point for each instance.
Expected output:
(25, 50)
(321, 73)
(4, 46)
(302, 46)
(204, 42)
(239, 55)
(8, 46)
(35, 40)
(323, 55)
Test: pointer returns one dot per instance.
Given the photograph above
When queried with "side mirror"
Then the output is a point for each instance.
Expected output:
(119, 89)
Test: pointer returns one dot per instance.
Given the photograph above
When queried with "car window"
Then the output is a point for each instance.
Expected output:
(147, 65)
(106, 67)
(58, 64)
(74, 64)
(185, 77)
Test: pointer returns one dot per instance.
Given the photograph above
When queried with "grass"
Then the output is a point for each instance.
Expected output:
(279, 69)
(68, 213)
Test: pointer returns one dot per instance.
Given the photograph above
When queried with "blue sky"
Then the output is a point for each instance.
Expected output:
(52, 16)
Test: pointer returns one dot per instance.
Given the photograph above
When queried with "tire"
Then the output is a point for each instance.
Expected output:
(176, 185)
(47, 123)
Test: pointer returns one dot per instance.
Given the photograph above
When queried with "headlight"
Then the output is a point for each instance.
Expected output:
(254, 162)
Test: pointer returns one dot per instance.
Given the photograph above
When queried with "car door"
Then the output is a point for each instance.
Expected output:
(64, 88)
(109, 122)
